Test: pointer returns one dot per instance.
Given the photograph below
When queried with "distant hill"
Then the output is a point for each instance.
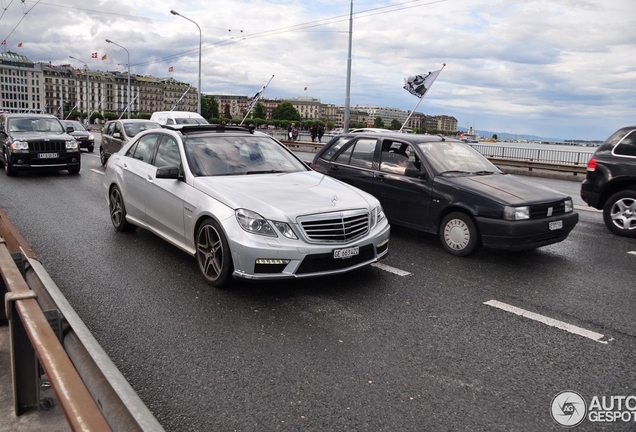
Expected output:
(507, 136)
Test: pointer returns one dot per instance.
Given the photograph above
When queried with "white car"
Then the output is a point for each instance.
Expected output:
(243, 204)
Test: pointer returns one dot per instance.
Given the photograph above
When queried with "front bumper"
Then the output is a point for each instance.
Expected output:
(524, 234)
(282, 258)
(31, 161)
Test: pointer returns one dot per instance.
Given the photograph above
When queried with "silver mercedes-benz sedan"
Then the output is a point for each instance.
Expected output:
(243, 204)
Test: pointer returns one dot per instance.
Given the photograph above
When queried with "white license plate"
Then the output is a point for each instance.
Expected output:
(48, 155)
(555, 225)
(346, 253)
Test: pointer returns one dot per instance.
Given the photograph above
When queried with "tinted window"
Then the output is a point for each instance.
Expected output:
(333, 146)
(145, 147)
(167, 153)
(627, 146)
(396, 157)
(360, 153)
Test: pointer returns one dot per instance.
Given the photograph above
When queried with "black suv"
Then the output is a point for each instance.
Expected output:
(610, 184)
(445, 187)
(37, 141)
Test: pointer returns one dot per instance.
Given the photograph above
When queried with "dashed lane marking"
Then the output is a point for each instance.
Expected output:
(632, 252)
(391, 269)
(97, 171)
(548, 321)
(589, 209)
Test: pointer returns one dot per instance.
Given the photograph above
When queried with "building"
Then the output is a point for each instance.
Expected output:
(21, 84)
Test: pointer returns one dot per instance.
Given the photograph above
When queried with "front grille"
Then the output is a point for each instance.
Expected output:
(319, 263)
(335, 227)
(539, 211)
(57, 146)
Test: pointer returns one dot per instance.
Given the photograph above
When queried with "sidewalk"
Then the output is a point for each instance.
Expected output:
(35, 420)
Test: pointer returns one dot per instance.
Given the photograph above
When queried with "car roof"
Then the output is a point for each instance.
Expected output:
(32, 115)
(187, 129)
(403, 136)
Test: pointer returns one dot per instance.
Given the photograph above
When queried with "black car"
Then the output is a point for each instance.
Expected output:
(84, 137)
(610, 183)
(37, 141)
(443, 186)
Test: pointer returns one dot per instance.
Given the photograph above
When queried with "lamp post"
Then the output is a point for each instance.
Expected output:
(115, 43)
(88, 84)
(174, 12)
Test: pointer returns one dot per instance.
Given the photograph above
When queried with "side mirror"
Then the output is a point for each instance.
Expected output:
(117, 135)
(415, 173)
(69, 129)
(169, 172)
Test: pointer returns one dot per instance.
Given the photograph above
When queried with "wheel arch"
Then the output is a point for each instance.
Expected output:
(616, 186)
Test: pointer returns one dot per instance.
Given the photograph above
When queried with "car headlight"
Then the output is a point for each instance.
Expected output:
(90, 136)
(71, 144)
(19, 146)
(569, 206)
(516, 213)
(377, 215)
(254, 223)
(285, 230)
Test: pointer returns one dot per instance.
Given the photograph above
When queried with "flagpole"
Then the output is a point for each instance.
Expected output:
(253, 103)
(419, 102)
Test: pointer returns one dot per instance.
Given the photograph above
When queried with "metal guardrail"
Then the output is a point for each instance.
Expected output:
(47, 334)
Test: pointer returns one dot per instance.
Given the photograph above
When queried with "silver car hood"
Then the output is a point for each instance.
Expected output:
(282, 196)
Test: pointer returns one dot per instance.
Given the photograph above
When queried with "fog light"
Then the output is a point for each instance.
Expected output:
(383, 243)
(272, 261)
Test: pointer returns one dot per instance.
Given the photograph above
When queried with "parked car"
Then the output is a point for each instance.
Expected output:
(243, 204)
(84, 137)
(37, 142)
(116, 133)
(610, 182)
(177, 117)
(445, 187)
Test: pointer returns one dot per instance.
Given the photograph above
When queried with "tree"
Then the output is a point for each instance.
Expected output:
(395, 125)
(259, 111)
(494, 136)
(209, 107)
(378, 123)
(226, 112)
(286, 111)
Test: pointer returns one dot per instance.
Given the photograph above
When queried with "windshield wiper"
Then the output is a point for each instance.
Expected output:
(483, 172)
(264, 172)
(454, 172)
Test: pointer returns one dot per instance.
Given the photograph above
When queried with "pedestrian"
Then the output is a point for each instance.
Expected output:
(321, 132)
(313, 132)
(294, 132)
(289, 131)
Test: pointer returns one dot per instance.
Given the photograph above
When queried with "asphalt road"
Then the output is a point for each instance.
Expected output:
(407, 346)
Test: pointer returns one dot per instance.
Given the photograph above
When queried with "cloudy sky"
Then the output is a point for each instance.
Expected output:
(553, 68)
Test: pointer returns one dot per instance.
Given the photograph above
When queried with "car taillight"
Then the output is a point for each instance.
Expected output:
(591, 164)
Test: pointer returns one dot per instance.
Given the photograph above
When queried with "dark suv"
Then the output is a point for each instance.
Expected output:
(610, 184)
(37, 141)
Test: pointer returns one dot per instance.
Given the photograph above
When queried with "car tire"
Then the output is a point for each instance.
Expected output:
(213, 254)
(102, 156)
(117, 210)
(8, 167)
(74, 171)
(459, 234)
(619, 213)
(91, 149)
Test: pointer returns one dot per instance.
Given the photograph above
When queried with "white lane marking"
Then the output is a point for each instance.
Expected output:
(632, 252)
(97, 171)
(548, 321)
(585, 208)
(391, 269)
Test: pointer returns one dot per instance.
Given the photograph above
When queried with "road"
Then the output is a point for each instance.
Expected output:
(410, 345)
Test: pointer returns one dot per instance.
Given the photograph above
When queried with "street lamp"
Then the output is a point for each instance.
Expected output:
(115, 43)
(174, 12)
(88, 84)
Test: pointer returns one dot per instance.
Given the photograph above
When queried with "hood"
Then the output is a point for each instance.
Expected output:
(278, 196)
(505, 188)
(28, 136)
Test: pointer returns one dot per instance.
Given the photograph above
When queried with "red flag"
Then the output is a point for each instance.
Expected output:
(94, 55)
(170, 69)
(105, 56)
(305, 88)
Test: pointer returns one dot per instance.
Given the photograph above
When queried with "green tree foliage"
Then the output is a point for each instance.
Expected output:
(494, 136)
(395, 125)
(259, 111)
(378, 123)
(209, 107)
(226, 112)
(286, 111)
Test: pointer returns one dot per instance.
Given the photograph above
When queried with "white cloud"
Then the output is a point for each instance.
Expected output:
(563, 69)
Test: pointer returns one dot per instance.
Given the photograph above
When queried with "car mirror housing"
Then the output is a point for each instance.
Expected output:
(414, 172)
(169, 172)
(69, 129)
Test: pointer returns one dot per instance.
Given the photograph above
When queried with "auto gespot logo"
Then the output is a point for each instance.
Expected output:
(569, 409)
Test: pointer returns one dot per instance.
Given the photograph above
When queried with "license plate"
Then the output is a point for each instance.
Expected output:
(346, 253)
(555, 225)
(48, 155)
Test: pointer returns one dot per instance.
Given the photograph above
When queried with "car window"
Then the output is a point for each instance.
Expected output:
(448, 156)
(144, 148)
(75, 125)
(360, 153)
(627, 146)
(108, 129)
(232, 155)
(333, 147)
(167, 153)
(116, 127)
(397, 156)
(133, 129)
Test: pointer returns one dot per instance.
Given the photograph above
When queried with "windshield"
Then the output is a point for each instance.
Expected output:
(232, 155)
(30, 124)
(456, 158)
(190, 121)
(133, 129)
(75, 125)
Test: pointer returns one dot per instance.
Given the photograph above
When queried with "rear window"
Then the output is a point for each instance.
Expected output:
(627, 145)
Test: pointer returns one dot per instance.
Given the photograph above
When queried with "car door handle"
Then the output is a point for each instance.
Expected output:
(334, 168)
(149, 179)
